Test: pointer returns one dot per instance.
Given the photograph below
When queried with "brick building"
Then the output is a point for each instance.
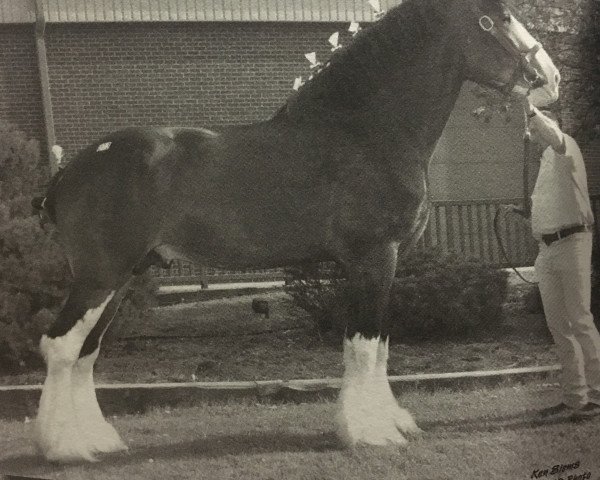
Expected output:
(112, 64)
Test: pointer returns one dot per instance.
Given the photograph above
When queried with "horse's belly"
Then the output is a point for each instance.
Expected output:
(229, 240)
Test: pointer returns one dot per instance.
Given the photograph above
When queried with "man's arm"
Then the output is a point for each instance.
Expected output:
(547, 128)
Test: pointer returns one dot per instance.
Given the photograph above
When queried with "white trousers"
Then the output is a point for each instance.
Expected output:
(563, 270)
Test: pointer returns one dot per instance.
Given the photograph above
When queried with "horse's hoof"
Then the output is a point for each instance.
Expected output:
(376, 438)
(369, 430)
(67, 454)
(406, 424)
(106, 441)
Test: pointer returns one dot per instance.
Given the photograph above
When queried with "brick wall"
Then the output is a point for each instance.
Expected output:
(20, 96)
(107, 76)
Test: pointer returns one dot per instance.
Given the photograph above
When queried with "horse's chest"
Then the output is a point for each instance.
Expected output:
(381, 200)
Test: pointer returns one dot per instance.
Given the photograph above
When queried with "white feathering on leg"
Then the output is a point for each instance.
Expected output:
(57, 433)
(100, 435)
(368, 412)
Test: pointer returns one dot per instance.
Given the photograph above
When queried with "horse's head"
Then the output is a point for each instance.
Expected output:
(501, 53)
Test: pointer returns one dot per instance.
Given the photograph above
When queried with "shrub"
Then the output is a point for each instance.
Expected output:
(33, 273)
(445, 295)
(434, 295)
(320, 290)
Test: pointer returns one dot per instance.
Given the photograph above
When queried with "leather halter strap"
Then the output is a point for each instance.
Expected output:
(523, 57)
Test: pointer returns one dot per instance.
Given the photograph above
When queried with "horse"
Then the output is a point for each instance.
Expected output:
(338, 173)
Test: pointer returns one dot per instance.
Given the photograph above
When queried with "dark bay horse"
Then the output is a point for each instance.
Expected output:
(339, 173)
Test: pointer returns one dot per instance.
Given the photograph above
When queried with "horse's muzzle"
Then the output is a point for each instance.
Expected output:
(532, 76)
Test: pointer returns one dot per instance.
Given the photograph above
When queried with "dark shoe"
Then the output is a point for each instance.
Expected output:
(560, 409)
(588, 410)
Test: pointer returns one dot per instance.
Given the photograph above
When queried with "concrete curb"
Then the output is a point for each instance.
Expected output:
(20, 401)
(175, 297)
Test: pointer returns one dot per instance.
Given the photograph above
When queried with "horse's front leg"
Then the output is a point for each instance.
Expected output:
(367, 410)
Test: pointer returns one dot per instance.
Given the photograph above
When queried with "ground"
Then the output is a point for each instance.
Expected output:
(490, 434)
(482, 433)
(223, 340)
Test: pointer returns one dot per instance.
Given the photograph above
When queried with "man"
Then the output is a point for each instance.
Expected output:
(561, 220)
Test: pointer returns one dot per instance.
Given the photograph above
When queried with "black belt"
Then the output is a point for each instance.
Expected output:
(565, 232)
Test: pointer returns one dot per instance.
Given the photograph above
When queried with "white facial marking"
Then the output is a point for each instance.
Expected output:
(103, 146)
(542, 62)
(68, 396)
(368, 412)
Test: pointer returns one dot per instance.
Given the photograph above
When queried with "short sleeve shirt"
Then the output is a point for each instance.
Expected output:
(560, 198)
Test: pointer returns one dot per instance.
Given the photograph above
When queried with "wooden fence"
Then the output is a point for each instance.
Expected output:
(467, 228)
(462, 227)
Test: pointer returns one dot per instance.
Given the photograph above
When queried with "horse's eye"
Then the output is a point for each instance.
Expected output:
(506, 18)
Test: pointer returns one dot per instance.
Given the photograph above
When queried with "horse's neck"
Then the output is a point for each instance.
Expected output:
(413, 108)
(399, 82)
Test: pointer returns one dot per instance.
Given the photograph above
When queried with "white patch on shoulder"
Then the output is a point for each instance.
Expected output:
(368, 412)
(103, 146)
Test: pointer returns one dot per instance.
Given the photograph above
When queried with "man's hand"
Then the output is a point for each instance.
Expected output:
(507, 208)
(511, 209)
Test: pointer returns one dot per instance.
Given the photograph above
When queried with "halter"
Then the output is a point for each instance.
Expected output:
(524, 67)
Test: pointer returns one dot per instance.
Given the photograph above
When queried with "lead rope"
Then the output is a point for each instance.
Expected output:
(526, 199)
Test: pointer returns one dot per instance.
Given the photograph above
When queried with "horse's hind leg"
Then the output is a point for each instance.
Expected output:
(367, 410)
(70, 425)
(100, 435)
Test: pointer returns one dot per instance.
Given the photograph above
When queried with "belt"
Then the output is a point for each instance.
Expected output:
(565, 232)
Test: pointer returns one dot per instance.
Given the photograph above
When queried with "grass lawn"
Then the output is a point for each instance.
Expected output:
(484, 434)
(221, 340)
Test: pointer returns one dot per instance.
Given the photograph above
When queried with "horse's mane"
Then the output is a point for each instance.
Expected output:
(355, 72)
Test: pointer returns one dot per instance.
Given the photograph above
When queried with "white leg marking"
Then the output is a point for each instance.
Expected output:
(367, 411)
(58, 435)
(100, 435)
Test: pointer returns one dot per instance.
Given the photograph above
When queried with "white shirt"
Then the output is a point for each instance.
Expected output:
(560, 198)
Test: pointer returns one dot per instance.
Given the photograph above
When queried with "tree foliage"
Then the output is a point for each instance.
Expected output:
(569, 30)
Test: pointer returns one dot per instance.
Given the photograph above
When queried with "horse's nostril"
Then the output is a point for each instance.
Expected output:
(557, 78)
